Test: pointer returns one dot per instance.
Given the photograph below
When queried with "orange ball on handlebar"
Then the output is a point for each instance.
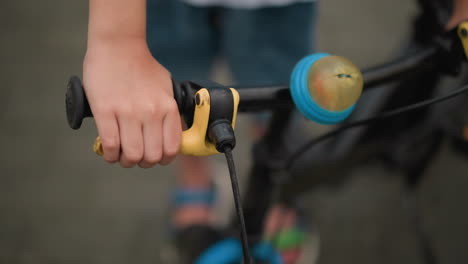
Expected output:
(335, 83)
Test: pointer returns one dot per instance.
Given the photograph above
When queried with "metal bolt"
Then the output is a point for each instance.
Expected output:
(464, 32)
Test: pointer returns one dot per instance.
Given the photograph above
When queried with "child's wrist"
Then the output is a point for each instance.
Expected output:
(105, 44)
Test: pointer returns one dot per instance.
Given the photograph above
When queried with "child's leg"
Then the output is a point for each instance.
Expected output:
(182, 38)
(194, 175)
(263, 45)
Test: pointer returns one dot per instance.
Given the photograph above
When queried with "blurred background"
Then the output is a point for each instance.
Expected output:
(59, 203)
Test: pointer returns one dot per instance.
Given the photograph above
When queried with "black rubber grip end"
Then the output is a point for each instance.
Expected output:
(76, 103)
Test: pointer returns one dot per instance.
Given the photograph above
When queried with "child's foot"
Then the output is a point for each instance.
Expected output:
(287, 234)
(190, 207)
(193, 206)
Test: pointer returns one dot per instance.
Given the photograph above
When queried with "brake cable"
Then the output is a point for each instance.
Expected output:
(237, 201)
(384, 115)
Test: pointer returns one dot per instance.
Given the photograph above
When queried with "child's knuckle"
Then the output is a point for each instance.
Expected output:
(134, 156)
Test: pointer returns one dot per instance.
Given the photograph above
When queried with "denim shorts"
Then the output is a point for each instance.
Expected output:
(261, 46)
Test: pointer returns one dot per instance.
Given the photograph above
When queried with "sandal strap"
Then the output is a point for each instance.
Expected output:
(184, 197)
(289, 239)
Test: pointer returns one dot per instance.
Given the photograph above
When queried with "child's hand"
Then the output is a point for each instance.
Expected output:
(132, 101)
(460, 13)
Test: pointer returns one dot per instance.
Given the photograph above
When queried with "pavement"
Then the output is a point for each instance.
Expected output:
(59, 203)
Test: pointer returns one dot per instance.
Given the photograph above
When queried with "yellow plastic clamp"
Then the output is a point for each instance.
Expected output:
(463, 34)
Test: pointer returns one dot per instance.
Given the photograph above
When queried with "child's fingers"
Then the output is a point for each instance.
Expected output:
(131, 138)
(108, 129)
(153, 142)
(172, 133)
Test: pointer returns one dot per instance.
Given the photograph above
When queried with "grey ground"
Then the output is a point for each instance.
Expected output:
(61, 204)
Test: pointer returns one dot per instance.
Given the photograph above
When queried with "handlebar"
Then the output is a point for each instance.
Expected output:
(325, 89)
(211, 111)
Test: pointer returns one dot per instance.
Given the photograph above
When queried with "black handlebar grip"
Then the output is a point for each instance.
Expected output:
(76, 103)
(78, 107)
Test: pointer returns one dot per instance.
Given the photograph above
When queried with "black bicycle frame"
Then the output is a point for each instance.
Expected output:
(268, 170)
(270, 182)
